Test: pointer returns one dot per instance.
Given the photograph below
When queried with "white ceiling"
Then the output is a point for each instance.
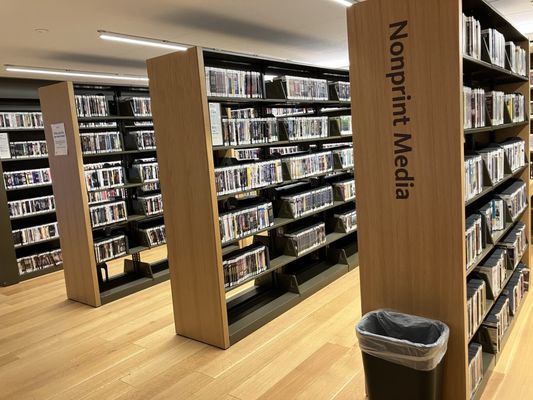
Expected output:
(311, 31)
(519, 12)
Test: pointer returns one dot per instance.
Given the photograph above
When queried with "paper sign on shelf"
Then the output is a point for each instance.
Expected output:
(60, 139)
(216, 124)
(4, 145)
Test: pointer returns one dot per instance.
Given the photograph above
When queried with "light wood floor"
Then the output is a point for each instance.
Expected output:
(51, 348)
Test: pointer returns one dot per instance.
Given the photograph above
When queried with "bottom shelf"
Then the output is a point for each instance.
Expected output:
(124, 284)
(278, 293)
(41, 272)
(490, 360)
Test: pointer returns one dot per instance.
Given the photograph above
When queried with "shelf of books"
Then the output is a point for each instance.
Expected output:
(446, 232)
(27, 221)
(265, 215)
(108, 196)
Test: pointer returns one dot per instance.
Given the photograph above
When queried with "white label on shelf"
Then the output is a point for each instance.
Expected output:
(216, 124)
(60, 139)
(4, 145)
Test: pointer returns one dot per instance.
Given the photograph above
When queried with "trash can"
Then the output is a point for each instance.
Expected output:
(402, 355)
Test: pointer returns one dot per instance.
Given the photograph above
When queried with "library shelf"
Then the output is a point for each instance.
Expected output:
(284, 142)
(33, 215)
(488, 249)
(286, 182)
(281, 221)
(429, 277)
(490, 189)
(29, 187)
(10, 273)
(83, 276)
(41, 272)
(284, 259)
(25, 245)
(491, 360)
(179, 107)
(17, 159)
(483, 70)
(490, 303)
(295, 102)
(493, 128)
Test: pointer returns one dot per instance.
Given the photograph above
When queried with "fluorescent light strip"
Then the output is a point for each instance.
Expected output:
(345, 3)
(77, 74)
(129, 39)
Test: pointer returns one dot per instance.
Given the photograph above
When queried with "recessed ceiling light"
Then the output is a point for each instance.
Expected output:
(74, 73)
(345, 3)
(141, 41)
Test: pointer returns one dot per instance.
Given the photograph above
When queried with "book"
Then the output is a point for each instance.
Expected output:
(473, 175)
(245, 221)
(27, 178)
(91, 105)
(475, 366)
(471, 38)
(302, 128)
(476, 290)
(348, 220)
(494, 214)
(494, 43)
(238, 131)
(39, 261)
(149, 205)
(21, 120)
(253, 154)
(299, 88)
(515, 197)
(306, 239)
(103, 175)
(494, 161)
(244, 264)
(28, 149)
(100, 142)
(154, 236)
(104, 196)
(474, 107)
(147, 169)
(308, 165)
(33, 206)
(309, 201)
(474, 239)
(35, 234)
(110, 248)
(343, 157)
(515, 152)
(221, 82)
(493, 271)
(515, 243)
(244, 177)
(107, 214)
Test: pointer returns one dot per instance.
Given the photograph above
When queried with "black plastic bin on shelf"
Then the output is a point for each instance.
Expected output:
(402, 355)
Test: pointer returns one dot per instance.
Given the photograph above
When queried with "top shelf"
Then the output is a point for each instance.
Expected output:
(480, 69)
(113, 118)
(239, 100)
(489, 17)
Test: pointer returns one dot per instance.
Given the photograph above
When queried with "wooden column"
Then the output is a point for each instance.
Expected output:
(409, 165)
(57, 102)
(184, 152)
